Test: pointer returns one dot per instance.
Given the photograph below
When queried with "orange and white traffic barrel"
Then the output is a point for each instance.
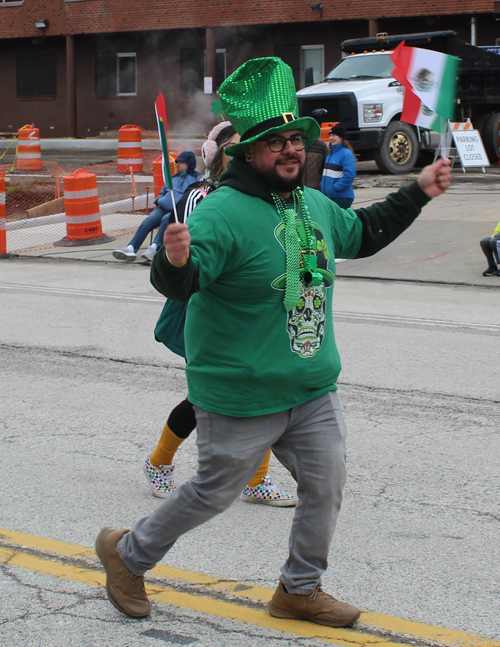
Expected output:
(3, 232)
(29, 153)
(83, 215)
(158, 172)
(157, 176)
(325, 130)
(129, 149)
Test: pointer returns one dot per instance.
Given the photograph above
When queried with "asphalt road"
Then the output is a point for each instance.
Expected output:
(86, 391)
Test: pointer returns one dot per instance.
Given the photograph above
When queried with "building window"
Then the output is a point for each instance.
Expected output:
(5, 3)
(115, 74)
(220, 67)
(192, 69)
(312, 68)
(36, 76)
(126, 74)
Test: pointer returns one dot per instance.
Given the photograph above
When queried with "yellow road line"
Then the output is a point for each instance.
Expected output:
(199, 603)
(14, 555)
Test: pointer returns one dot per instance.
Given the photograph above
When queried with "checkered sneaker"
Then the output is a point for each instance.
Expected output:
(160, 479)
(268, 494)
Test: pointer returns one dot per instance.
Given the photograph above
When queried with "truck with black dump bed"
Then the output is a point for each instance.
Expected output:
(361, 93)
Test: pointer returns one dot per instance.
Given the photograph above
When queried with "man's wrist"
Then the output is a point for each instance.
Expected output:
(176, 264)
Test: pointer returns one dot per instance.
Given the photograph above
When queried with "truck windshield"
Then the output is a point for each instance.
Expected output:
(369, 66)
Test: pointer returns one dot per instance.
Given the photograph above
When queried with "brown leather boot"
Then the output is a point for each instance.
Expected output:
(125, 590)
(318, 606)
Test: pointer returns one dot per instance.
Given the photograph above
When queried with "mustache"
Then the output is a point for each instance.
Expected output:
(289, 156)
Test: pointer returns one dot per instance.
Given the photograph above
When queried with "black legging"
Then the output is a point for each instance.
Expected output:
(182, 419)
(489, 247)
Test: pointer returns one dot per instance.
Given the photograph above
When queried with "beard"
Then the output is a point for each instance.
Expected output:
(276, 182)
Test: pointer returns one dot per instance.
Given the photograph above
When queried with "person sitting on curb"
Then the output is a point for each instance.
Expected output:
(491, 248)
(162, 214)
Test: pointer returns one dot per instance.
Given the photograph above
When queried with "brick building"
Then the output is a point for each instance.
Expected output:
(79, 67)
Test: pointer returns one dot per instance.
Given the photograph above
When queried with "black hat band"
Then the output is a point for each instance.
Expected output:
(274, 122)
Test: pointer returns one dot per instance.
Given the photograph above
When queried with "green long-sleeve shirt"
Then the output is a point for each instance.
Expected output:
(246, 355)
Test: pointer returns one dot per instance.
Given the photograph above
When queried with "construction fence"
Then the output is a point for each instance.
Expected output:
(56, 205)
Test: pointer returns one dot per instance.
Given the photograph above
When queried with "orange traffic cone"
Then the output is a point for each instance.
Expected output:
(158, 172)
(325, 130)
(129, 149)
(29, 154)
(83, 215)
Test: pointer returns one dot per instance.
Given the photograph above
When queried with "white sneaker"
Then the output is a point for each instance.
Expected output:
(149, 253)
(160, 479)
(124, 254)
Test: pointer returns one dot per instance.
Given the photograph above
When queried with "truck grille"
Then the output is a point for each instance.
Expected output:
(341, 107)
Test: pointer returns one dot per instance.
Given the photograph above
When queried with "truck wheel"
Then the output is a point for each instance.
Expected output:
(399, 150)
(490, 134)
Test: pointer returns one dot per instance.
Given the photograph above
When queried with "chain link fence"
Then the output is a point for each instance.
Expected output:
(34, 200)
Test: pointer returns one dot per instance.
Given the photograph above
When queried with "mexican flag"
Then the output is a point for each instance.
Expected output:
(417, 113)
(431, 76)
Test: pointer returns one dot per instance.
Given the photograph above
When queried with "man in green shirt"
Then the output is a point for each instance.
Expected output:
(257, 265)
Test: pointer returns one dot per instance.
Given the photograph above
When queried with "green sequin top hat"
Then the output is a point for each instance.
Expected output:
(259, 98)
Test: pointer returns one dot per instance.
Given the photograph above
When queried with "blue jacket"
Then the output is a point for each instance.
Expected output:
(180, 182)
(339, 173)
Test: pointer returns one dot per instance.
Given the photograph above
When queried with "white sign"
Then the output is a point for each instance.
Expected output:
(207, 85)
(470, 148)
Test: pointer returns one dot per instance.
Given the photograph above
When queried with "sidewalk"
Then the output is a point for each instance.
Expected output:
(442, 246)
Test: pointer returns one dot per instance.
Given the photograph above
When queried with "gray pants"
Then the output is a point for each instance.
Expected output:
(309, 440)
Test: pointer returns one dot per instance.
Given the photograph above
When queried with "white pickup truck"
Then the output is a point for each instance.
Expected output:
(361, 93)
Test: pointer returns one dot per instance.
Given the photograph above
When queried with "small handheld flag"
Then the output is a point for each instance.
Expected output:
(161, 118)
(431, 76)
(430, 82)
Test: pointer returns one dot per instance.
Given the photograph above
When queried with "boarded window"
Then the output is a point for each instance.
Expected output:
(192, 69)
(126, 74)
(290, 54)
(36, 76)
(220, 66)
(105, 74)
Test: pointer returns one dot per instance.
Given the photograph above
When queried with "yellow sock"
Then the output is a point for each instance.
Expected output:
(262, 471)
(166, 448)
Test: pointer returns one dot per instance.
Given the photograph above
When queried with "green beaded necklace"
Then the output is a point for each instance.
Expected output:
(293, 240)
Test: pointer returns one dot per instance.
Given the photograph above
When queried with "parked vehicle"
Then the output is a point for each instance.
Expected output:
(361, 93)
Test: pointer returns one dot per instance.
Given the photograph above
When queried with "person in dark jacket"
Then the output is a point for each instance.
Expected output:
(491, 248)
(340, 168)
(162, 214)
(315, 163)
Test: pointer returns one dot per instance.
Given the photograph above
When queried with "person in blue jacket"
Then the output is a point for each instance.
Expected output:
(340, 169)
(162, 213)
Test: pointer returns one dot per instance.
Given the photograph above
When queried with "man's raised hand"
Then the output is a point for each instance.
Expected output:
(435, 178)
